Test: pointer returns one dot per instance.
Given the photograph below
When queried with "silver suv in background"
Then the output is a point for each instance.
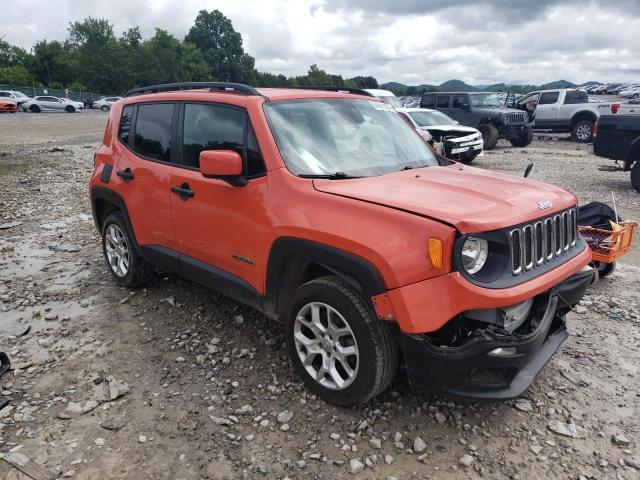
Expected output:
(105, 103)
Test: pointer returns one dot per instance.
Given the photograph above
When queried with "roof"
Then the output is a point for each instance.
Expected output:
(417, 109)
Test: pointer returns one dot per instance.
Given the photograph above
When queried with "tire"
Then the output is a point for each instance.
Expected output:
(467, 160)
(582, 131)
(636, 95)
(126, 266)
(69, 109)
(34, 109)
(523, 140)
(490, 135)
(604, 269)
(375, 359)
(635, 175)
(104, 108)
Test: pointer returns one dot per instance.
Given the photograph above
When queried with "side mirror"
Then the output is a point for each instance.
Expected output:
(223, 164)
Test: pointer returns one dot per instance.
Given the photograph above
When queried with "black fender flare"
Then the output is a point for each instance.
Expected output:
(352, 268)
(633, 155)
(583, 115)
(110, 196)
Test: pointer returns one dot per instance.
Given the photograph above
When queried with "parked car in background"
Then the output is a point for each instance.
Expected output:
(385, 95)
(618, 137)
(90, 102)
(484, 111)
(8, 105)
(631, 92)
(44, 103)
(564, 110)
(105, 103)
(450, 139)
(11, 96)
(439, 265)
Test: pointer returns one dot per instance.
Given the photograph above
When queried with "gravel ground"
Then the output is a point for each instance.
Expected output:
(176, 382)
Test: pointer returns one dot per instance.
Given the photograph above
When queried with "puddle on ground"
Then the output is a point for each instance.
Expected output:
(6, 168)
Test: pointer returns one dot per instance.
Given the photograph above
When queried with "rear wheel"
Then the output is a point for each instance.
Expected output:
(490, 135)
(523, 140)
(343, 353)
(104, 108)
(583, 131)
(126, 266)
(635, 176)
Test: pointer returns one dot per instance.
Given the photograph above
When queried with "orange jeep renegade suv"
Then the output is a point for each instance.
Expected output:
(323, 209)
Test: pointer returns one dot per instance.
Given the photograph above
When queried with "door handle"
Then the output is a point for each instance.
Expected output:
(183, 191)
(554, 108)
(126, 174)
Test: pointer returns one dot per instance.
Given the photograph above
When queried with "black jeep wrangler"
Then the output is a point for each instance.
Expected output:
(486, 112)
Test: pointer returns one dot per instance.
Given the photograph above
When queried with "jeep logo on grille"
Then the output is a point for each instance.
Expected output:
(544, 205)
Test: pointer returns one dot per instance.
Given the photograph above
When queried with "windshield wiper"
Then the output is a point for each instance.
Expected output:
(329, 176)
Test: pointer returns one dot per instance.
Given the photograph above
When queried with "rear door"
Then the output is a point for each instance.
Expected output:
(220, 228)
(49, 103)
(547, 112)
(143, 173)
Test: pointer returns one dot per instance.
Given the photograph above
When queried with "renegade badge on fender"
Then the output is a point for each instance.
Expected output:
(325, 210)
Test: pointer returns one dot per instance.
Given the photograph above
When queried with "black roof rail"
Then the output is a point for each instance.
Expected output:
(213, 86)
(357, 91)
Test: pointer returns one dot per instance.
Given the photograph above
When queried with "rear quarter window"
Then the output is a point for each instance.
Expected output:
(125, 124)
(153, 131)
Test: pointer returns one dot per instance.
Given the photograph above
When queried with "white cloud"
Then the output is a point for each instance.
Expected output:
(412, 41)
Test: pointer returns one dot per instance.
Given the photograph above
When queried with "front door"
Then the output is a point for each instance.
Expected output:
(220, 227)
(547, 110)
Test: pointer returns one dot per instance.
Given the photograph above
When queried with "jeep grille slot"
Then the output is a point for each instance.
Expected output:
(514, 118)
(542, 241)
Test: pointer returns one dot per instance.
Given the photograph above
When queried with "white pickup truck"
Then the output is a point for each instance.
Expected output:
(564, 110)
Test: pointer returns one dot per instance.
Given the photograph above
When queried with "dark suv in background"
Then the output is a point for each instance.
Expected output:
(486, 112)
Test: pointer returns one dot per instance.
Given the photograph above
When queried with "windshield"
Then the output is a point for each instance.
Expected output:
(391, 100)
(352, 137)
(485, 100)
(428, 119)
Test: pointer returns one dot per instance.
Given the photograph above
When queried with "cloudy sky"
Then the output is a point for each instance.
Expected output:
(410, 41)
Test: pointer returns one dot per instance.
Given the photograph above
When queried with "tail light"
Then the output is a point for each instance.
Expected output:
(615, 107)
(596, 126)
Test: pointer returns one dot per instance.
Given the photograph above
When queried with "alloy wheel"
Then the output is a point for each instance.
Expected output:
(117, 250)
(583, 132)
(326, 346)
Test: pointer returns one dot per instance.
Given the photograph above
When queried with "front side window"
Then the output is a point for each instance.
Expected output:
(153, 131)
(460, 101)
(548, 98)
(348, 137)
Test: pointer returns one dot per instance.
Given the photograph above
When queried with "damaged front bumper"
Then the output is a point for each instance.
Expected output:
(491, 363)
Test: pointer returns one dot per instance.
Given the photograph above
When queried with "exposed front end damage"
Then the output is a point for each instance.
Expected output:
(494, 354)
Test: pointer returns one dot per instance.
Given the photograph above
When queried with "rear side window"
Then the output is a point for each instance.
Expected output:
(548, 98)
(428, 101)
(576, 96)
(153, 131)
(125, 124)
(214, 127)
(443, 101)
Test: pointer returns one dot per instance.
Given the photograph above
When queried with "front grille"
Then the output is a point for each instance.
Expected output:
(515, 118)
(542, 241)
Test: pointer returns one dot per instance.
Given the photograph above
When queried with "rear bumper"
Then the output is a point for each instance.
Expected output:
(473, 370)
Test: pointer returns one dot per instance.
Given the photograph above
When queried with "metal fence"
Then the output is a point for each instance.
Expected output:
(56, 92)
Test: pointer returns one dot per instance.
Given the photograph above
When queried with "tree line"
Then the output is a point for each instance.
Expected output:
(94, 58)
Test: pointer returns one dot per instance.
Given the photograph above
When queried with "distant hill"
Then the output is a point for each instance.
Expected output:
(459, 85)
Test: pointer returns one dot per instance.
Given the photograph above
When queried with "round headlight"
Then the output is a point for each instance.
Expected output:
(474, 254)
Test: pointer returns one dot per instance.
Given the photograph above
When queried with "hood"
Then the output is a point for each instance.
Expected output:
(495, 111)
(470, 199)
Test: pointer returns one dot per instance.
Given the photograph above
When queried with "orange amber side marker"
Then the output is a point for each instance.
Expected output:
(435, 252)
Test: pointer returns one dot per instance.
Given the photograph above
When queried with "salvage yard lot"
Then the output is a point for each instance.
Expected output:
(211, 393)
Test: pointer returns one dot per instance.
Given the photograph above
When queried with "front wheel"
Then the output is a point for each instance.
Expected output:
(69, 109)
(343, 353)
(490, 135)
(34, 108)
(583, 131)
(523, 140)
